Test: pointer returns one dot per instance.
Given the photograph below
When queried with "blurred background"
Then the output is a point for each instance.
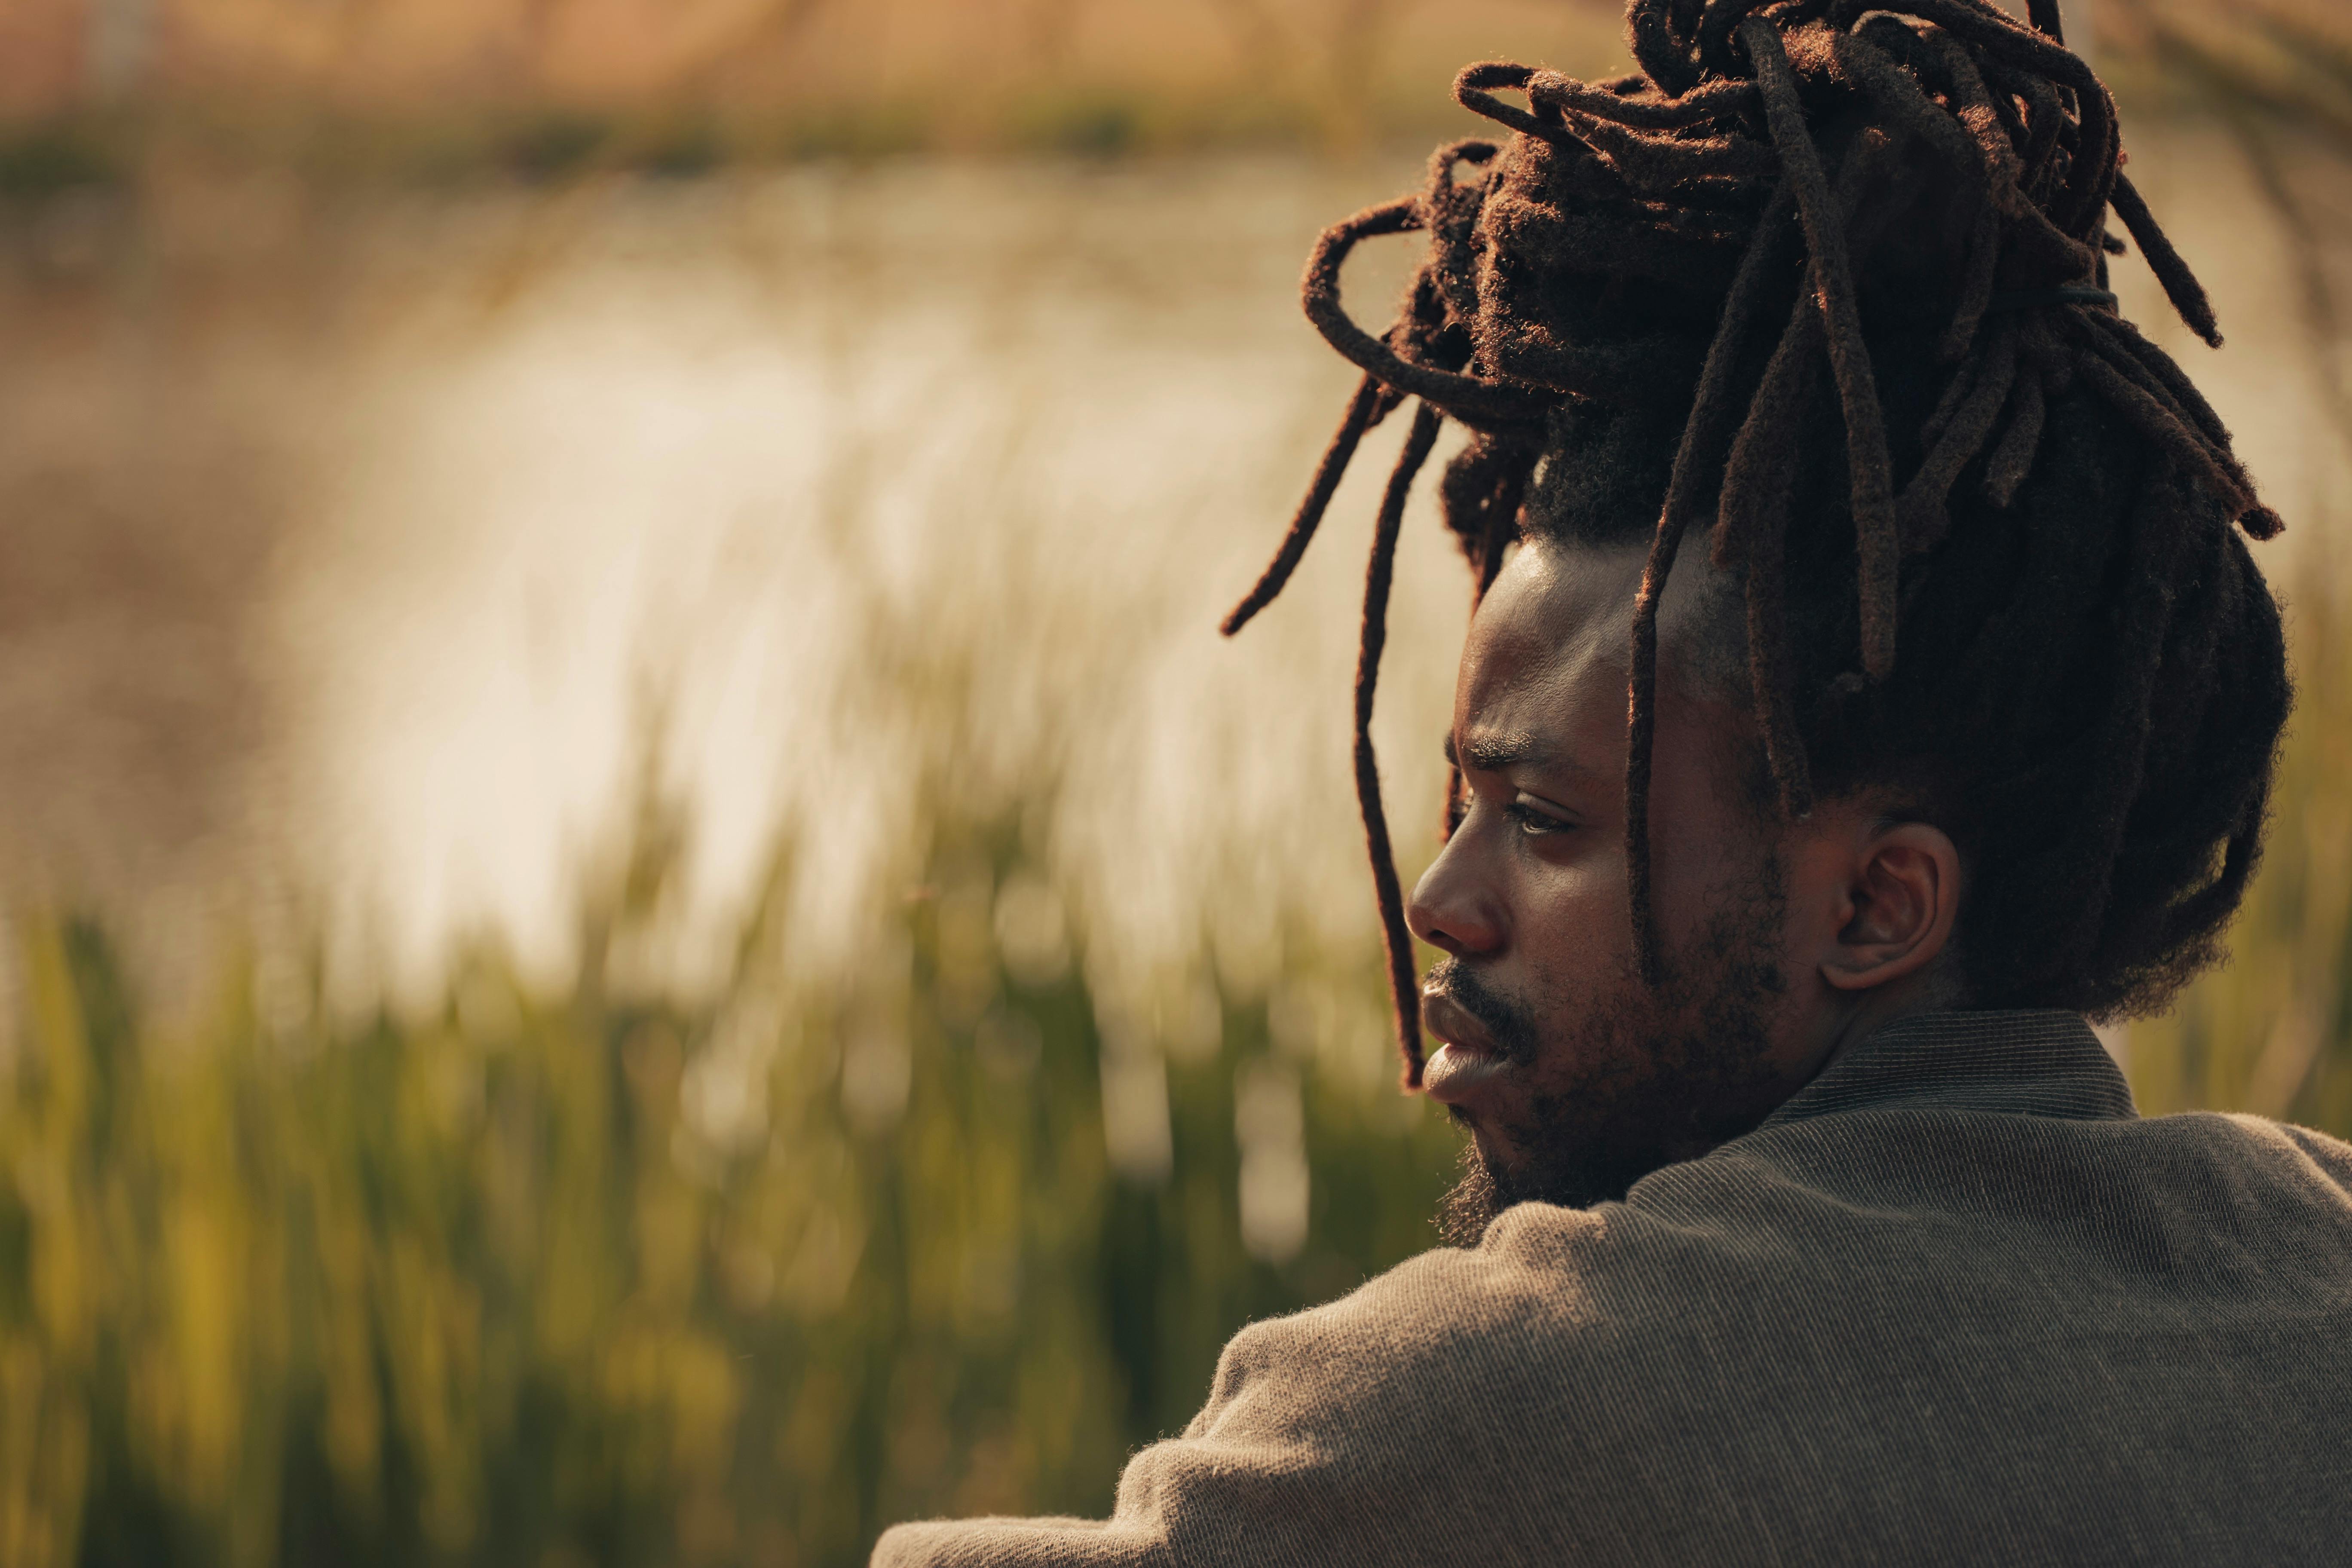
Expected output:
(644, 920)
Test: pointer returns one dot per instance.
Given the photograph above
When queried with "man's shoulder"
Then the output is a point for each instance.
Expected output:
(2306, 1153)
(1890, 1229)
(1862, 1342)
(2072, 1205)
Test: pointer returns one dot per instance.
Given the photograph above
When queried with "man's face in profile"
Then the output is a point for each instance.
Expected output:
(1574, 1077)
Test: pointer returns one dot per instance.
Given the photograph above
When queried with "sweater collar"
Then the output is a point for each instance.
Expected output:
(2040, 1063)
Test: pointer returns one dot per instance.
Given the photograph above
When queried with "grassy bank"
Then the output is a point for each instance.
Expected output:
(608, 1277)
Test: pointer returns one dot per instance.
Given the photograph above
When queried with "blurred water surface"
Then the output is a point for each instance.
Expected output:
(366, 548)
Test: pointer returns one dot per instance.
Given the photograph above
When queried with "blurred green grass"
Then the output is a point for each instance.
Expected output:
(2270, 1031)
(607, 1277)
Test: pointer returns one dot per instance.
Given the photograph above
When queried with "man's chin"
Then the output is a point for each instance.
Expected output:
(1470, 1206)
(1487, 1187)
(1493, 1182)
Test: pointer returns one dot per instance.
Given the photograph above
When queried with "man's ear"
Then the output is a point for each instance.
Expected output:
(1902, 897)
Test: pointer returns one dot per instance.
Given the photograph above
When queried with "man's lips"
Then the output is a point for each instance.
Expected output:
(1468, 1061)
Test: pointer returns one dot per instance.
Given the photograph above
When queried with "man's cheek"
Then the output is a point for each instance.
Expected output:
(1576, 972)
(1574, 921)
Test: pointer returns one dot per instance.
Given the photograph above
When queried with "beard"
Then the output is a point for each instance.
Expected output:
(1655, 1075)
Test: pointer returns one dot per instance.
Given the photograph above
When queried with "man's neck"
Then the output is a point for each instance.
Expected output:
(1935, 989)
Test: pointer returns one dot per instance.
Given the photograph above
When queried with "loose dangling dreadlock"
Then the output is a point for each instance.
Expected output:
(1711, 269)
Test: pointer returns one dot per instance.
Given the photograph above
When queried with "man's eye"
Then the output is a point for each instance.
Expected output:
(1533, 819)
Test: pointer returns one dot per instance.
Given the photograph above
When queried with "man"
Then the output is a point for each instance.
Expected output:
(1807, 1220)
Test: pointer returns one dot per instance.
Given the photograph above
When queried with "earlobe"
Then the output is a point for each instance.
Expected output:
(1901, 901)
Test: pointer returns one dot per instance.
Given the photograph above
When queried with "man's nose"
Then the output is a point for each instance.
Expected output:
(1453, 907)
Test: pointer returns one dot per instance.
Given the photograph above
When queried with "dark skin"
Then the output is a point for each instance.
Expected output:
(1786, 942)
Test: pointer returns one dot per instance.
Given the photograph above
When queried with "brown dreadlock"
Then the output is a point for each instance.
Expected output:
(1834, 228)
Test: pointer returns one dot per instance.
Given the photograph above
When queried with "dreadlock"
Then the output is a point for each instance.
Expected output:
(1874, 231)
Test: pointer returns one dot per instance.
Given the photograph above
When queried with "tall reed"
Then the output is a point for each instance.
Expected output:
(612, 1277)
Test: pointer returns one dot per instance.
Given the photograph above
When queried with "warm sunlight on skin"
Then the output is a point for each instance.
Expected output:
(1544, 1019)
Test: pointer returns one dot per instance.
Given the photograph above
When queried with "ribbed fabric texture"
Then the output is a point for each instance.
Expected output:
(1954, 1302)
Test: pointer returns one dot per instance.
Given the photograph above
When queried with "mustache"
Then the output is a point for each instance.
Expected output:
(1511, 1027)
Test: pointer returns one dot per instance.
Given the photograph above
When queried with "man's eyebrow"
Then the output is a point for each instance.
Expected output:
(1491, 751)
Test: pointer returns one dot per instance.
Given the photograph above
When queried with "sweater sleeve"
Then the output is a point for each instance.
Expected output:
(1017, 1544)
(1338, 1435)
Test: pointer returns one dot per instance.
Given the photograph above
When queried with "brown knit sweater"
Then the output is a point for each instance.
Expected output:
(1954, 1302)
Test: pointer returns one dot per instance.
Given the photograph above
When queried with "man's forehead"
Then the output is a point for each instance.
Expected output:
(1546, 647)
(1567, 610)
(1544, 669)
(1557, 605)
